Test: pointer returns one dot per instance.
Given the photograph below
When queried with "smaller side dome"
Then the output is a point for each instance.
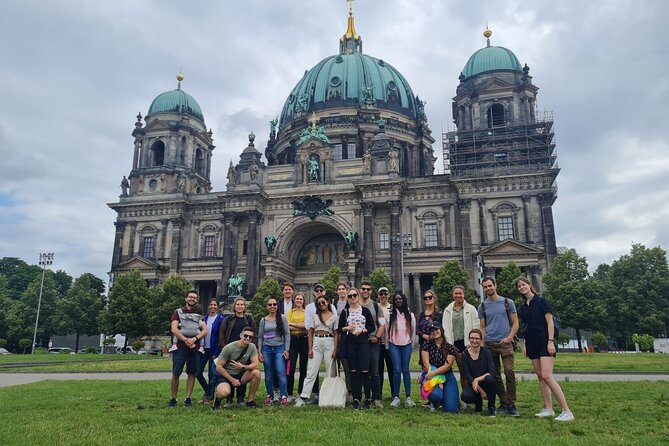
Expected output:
(176, 101)
(491, 58)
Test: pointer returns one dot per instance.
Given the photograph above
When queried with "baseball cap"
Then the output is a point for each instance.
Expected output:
(382, 289)
(318, 285)
(434, 326)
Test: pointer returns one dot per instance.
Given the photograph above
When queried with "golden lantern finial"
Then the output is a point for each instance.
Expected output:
(350, 31)
(487, 33)
(180, 77)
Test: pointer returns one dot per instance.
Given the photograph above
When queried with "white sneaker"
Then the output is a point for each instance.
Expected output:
(408, 402)
(545, 413)
(395, 402)
(290, 399)
(299, 402)
(565, 416)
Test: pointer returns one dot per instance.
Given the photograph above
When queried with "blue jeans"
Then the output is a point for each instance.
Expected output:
(274, 362)
(400, 356)
(447, 397)
(207, 386)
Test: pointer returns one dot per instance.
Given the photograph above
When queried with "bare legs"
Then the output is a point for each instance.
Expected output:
(543, 367)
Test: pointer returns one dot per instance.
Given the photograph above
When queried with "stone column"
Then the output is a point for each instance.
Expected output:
(131, 243)
(446, 224)
(175, 250)
(464, 206)
(161, 247)
(482, 223)
(368, 238)
(118, 240)
(452, 226)
(135, 156)
(417, 294)
(546, 201)
(535, 276)
(226, 266)
(413, 227)
(252, 264)
(396, 243)
(526, 218)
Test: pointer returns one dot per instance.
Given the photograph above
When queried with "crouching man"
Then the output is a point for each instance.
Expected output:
(237, 365)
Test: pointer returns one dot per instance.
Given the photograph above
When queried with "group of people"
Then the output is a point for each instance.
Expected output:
(362, 336)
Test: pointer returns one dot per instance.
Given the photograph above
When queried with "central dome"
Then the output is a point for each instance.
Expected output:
(176, 101)
(350, 79)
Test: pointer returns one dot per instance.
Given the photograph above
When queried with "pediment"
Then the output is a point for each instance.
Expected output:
(511, 248)
(139, 263)
(494, 84)
(157, 124)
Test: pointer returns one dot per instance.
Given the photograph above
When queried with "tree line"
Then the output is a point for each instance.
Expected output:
(625, 301)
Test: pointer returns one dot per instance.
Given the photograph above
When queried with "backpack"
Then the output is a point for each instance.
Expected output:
(508, 315)
(189, 323)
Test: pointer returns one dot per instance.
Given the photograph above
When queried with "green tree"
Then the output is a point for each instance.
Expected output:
(268, 288)
(22, 313)
(505, 282)
(19, 275)
(451, 273)
(165, 299)
(78, 311)
(330, 281)
(4, 303)
(64, 282)
(599, 341)
(3, 343)
(128, 307)
(379, 277)
(575, 297)
(639, 283)
(25, 343)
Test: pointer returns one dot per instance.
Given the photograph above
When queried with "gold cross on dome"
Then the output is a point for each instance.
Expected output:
(350, 6)
(313, 120)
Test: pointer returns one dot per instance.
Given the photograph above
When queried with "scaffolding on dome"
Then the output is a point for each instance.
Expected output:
(505, 149)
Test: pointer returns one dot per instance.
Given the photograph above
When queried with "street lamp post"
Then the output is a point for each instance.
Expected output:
(45, 259)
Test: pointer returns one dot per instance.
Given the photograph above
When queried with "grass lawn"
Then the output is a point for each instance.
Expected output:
(136, 413)
(566, 362)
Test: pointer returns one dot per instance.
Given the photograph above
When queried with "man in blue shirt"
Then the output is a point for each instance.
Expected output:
(499, 323)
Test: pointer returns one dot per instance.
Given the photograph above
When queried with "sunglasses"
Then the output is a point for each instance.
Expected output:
(352, 295)
(319, 290)
(247, 336)
(428, 297)
(272, 305)
(322, 302)
(366, 289)
(383, 293)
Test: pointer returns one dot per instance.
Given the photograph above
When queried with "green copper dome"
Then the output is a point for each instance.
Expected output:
(176, 101)
(348, 80)
(491, 58)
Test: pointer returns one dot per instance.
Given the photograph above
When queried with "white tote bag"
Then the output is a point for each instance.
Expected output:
(333, 389)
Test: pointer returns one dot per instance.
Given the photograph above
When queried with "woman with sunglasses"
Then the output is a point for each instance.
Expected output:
(298, 344)
(323, 341)
(438, 358)
(537, 316)
(459, 319)
(400, 339)
(355, 323)
(479, 371)
(430, 315)
(274, 346)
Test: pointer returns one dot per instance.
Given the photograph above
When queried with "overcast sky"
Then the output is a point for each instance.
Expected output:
(73, 75)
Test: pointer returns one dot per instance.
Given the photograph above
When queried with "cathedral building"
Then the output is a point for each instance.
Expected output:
(347, 179)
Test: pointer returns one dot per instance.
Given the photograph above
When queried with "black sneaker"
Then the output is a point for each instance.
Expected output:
(367, 405)
(355, 404)
(511, 409)
(492, 412)
(217, 404)
(502, 408)
(172, 404)
(252, 404)
(188, 402)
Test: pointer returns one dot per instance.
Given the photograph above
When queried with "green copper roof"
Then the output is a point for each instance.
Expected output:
(176, 101)
(491, 58)
(346, 80)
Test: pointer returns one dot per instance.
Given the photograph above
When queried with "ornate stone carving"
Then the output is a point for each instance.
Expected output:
(235, 285)
(312, 206)
(351, 239)
(270, 243)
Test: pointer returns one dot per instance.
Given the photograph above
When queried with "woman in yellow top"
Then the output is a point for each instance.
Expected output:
(299, 344)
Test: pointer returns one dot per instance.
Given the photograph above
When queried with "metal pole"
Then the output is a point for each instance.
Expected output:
(44, 260)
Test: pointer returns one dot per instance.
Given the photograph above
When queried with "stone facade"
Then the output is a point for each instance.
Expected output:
(351, 185)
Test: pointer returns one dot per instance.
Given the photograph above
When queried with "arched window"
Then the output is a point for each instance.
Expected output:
(199, 162)
(496, 116)
(157, 153)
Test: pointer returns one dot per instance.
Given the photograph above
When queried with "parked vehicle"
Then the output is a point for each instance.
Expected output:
(58, 350)
(128, 350)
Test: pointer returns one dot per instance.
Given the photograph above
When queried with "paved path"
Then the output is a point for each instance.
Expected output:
(13, 379)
